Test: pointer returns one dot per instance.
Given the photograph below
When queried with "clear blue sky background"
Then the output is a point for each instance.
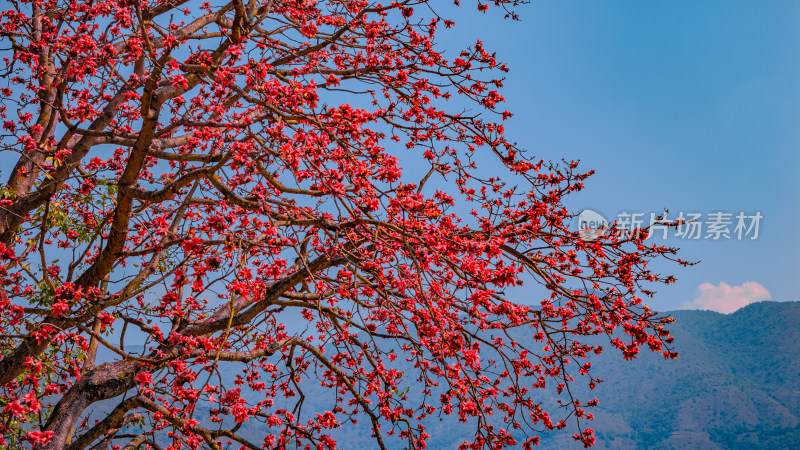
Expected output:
(681, 104)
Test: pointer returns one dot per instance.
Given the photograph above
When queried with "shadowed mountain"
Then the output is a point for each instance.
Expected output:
(735, 385)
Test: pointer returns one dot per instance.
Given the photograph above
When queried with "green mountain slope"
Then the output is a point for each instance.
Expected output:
(736, 385)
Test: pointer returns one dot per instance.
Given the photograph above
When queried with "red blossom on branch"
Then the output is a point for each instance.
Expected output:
(239, 200)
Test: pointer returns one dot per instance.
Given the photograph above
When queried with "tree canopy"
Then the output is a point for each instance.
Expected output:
(299, 192)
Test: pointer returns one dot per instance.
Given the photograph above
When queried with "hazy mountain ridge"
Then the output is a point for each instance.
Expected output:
(736, 385)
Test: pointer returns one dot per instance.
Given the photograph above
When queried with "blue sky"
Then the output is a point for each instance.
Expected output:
(685, 105)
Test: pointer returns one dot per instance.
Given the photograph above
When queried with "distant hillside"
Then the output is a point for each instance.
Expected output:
(736, 385)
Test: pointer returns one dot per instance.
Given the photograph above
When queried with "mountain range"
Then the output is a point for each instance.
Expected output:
(736, 385)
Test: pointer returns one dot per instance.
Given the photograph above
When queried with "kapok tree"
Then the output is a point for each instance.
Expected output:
(196, 189)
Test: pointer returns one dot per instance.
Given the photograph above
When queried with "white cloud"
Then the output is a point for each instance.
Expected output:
(726, 298)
